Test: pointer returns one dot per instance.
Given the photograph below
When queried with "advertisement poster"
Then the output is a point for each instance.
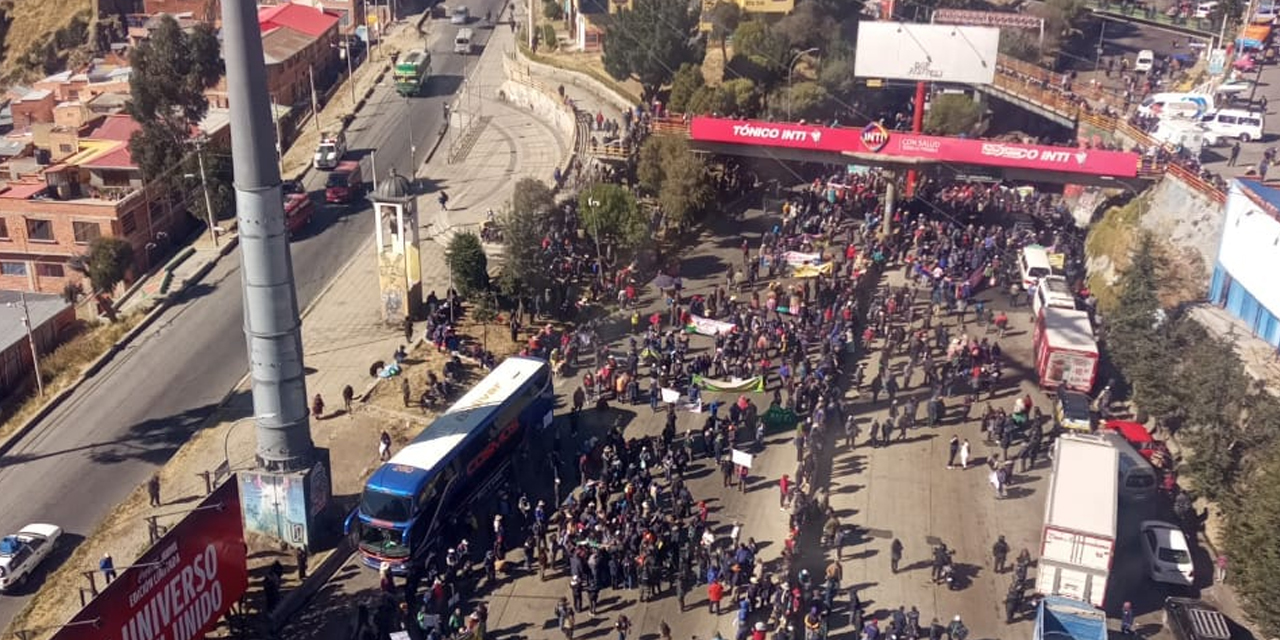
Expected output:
(1070, 370)
(708, 327)
(275, 505)
(182, 585)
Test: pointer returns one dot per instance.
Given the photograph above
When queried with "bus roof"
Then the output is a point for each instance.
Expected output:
(414, 463)
(412, 58)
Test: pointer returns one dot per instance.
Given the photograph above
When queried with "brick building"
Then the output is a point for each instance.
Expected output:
(297, 41)
(88, 187)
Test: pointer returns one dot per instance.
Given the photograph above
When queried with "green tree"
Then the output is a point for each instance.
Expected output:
(1137, 337)
(758, 54)
(836, 76)
(724, 18)
(171, 70)
(807, 100)
(687, 82)
(1063, 17)
(106, 264)
(1020, 44)
(1253, 545)
(485, 313)
(610, 212)
(525, 223)
(468, 264)
(953, 114)
(669, 169)
(649, 42)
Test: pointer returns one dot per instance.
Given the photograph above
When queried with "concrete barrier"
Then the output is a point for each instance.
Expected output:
(579, 79)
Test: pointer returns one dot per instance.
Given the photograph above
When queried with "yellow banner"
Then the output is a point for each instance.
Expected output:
(811, 271)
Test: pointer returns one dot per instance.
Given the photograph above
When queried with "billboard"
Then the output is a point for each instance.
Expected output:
(875, 139)
(926, 52)
(182, 585)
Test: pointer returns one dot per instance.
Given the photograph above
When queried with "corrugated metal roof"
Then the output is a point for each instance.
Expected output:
(42, 307)
(282, 43)
(22, 190)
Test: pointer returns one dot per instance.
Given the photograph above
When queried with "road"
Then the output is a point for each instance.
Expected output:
(130, 418)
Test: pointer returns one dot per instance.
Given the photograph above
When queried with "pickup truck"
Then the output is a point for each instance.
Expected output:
(23, 551)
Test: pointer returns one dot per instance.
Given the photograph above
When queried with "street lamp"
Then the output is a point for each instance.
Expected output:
(204, 186)
(226, 441)
(595, 204)
(791, 67)
(344, 50)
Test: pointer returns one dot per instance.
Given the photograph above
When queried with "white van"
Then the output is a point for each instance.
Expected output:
(1053, 291)
(1138, 481)
(1204, 9)
(1033, 263)
(462, 42)
(1189, 106)
(1184, 134)
(1233, 123)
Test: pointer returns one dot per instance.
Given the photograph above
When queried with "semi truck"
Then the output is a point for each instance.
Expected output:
(412, 71)
(1066, 619)
(1078, 540)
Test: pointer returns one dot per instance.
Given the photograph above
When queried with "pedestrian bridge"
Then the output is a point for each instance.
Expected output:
(874, 145)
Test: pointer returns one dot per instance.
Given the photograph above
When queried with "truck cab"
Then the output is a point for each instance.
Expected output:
(333, 145)
(345, 183)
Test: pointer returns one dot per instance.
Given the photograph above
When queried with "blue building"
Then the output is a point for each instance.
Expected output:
(1245, 281)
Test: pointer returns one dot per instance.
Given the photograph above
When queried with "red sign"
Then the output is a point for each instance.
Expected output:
(182, 585)
(891, 145)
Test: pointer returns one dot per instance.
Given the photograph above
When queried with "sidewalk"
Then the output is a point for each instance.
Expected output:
(188, 266)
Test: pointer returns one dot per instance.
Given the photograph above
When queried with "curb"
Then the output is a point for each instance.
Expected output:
(298, 597)
(54, 402)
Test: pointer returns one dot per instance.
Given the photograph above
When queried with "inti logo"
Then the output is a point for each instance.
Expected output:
(874, 137)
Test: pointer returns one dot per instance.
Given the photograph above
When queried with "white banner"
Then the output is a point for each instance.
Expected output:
(795, 258)
(741, 458)
(670, 396)
(926, 52)
(709, 327)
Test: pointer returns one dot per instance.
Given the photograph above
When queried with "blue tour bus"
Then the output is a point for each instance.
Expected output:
(449, 461)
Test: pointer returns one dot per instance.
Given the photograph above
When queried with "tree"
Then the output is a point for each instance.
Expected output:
(1137, 336)
(468, 264)
(1252, 544)
(669, 169)
(807, 100)
(485, 313)
(649, 42)
(836, 76)
(106, 264)
(688, 80)
(610, 213)
(724, 18)
(171, 70)
(1020, 44)
(524, 225)
(757, 54)
(953, 114)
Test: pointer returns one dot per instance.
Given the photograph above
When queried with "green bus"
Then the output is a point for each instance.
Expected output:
(412, 71)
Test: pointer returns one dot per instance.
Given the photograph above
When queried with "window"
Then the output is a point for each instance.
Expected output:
(50, 270)
(66, 148)
(85, 231)
(4, 229)
(39, 230)
(128, 223)
(13, 268)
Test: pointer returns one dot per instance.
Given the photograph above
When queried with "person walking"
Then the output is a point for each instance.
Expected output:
(895, 554)
(108, 567)
(1000, 553)
(964, 454)
(622, 626)
(300, 561)
(153, 489)
(564, 616)
(384, 446)
(348, 394)
(953, 447)
(317, 407)
(406, 393)
(1235, 154)
(784, 490)
(1126, 620)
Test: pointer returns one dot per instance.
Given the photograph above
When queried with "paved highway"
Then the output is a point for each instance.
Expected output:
(130, 418)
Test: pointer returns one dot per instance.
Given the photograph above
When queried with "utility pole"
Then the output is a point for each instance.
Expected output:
(315, 99)
(208, 203)
(272, 327)
(31, 339)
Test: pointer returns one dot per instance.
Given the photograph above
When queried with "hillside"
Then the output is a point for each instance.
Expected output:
(39, 37)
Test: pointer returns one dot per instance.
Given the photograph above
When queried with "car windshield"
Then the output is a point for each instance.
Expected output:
(385, 506)
(338, 179)
(9, 545)
(1174, 556)
(327, 149)
(382, 542)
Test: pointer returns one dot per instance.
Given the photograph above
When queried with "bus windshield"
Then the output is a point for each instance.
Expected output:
(385, 506)
(385, 543)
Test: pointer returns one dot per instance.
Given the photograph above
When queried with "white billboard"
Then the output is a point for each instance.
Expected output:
(926, 52)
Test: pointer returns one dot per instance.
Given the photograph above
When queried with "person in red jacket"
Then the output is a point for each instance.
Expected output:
(715, 592)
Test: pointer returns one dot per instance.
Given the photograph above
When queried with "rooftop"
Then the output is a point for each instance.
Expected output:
(42, 307)
(21, 190)
(282, 43)
(309, 20)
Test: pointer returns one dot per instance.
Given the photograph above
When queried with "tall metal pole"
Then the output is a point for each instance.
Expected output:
(208, 204)
(315, 99)
(413, 142)
(31, 339)
(271, 323)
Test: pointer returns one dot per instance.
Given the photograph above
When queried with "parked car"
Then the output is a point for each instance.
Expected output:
(1240, 124)
(1204, 9)
(23, 551)
(1167, 552)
